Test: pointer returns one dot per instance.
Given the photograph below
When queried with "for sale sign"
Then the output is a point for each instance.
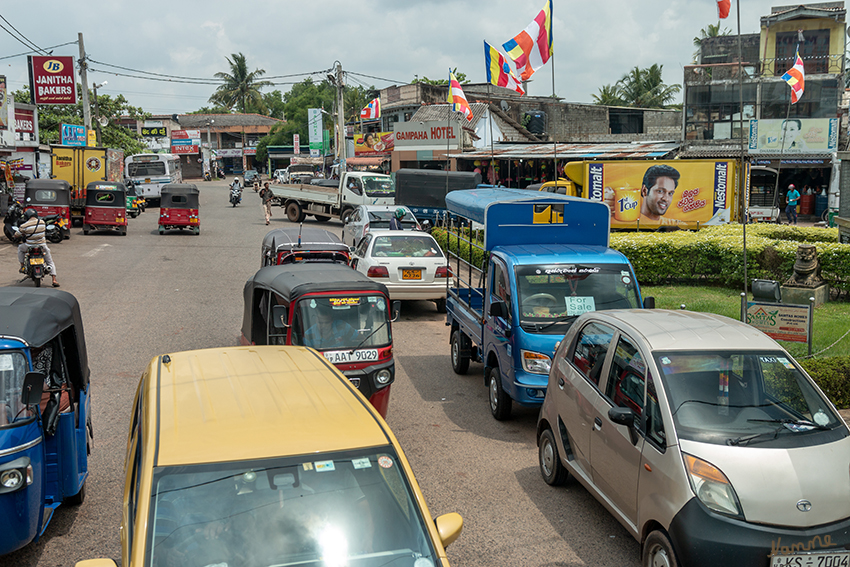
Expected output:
(52, 80)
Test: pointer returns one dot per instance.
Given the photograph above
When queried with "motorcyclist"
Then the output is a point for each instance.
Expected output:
(33, 230)
(395, 222)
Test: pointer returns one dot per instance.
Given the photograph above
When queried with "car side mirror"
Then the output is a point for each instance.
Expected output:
(449, 527)
(625, 417)
(33, 387)
(498, 309)
(649, 302)
(279, 317)
(395, 310)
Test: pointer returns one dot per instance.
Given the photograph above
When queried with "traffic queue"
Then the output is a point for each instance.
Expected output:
(703, 437)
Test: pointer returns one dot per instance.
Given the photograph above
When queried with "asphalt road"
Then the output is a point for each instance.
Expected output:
(144, 294)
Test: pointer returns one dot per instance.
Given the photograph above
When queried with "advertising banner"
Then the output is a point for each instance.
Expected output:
(794, 136)
(374, 143)
(184, 148)
(314, 130)
(52, 80)
(4, 104)
(154, 131)
(296, 144)
(91, 138)
(780, 321)
(682, 193)
(73, 135)
(185, 141)
(25, 125)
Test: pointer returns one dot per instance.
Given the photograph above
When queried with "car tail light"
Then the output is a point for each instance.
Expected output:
(442, 272)
(378, 272)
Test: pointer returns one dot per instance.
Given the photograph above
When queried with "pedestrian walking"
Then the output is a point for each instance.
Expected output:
(791, 209)
(266, 196)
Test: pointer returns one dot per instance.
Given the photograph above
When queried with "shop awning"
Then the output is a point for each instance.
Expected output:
(572, 152)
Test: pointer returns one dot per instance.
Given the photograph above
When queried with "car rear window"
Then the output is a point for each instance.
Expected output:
(406, 246)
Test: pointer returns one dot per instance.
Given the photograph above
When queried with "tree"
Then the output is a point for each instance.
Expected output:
(705, 33)
(51, 118)
(641, 88)
(461, 78)
(241, 88)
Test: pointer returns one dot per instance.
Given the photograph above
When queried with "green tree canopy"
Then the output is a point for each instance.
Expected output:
(641, 88)
(241, 88)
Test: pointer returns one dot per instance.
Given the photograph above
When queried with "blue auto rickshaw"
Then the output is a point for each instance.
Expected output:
(45, 420)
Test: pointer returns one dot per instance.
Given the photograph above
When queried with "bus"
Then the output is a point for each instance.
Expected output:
(149, 172)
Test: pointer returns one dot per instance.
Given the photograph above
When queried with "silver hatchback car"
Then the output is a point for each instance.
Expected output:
(702, 436)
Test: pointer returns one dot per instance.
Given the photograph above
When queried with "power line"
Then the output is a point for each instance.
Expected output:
(34, 51)
(376, 78)
(188, 82)
(22, 35)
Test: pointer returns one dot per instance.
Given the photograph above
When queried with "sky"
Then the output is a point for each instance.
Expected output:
(379, 43)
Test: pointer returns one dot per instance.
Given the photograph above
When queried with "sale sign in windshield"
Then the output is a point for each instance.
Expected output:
(52, 80)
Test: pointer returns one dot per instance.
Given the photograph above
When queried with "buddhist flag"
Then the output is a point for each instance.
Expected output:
(457, 98)
(796, 78)
(723, 7)
(372, 110)
(532, 48)
(499, 71)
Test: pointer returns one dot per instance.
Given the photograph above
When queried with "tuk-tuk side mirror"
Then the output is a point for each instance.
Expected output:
(395, 310)
(649, 302)
(33, 387)
(279, 317)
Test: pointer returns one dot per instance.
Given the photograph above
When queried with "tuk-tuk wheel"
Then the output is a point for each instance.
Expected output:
(161, 230)
(85, 229)
(124, 231)
(77, 498)
(197, 231)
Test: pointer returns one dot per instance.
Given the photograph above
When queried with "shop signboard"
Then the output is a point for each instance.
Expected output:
(52, 80)
(73, 135)
(431, 135)
(781, 321)
(314, 130)
(25, 125)
(374, 143)
(154, 131)
(793, 136)
(185, 141)
(296, 144)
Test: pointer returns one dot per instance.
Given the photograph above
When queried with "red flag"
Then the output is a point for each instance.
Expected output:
(723, 7)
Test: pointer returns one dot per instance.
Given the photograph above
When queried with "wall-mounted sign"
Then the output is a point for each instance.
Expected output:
(296, 144)
(73, 135)
(52, 80)
(431, 135)
(25, 125)
(373, 143)
(154, 131)
(794, 136)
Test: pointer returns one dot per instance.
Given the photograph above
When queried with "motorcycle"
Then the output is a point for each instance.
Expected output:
(34, 265)
(235, 196)
(14, 217)
(220, 174)
(53, 230)
(207, 176)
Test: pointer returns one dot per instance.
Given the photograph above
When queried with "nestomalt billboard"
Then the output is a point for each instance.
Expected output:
(52, 80)
(794, 136)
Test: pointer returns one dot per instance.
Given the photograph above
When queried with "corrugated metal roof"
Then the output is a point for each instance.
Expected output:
(575, 151)
(440, 113)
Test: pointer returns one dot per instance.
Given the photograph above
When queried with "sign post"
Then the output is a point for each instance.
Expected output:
(781, 321)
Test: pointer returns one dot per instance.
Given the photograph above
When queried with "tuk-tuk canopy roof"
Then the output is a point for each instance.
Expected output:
(292, 281)
(36, 316)
(189, 190)
(60, 186)
(99, 187)
(312, 238)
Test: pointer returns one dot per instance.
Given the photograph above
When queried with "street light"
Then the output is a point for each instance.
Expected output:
(100, 119)
(209, 146)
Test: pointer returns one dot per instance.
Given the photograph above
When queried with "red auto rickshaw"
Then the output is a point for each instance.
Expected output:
(178, 208)
(50, 197)
(106, 207)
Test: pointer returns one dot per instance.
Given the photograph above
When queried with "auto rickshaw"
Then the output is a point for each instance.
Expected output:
(106, 207)
(45, 419)
(333, 309)
(302, 244)
(178, 208)
(133, 208)
(50, 197)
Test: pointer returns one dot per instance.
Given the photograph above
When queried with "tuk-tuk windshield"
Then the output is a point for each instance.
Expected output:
(562, 292)
(379, 186)
(13, 368)
(344, 321)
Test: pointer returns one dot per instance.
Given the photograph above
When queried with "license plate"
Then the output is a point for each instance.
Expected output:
(411, 274)
(342, 356)
(147, 179)
(816, 559)
(36, 260)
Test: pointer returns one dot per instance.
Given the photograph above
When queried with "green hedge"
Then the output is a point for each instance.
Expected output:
(715, 254)
(833, 376)
(479, 257)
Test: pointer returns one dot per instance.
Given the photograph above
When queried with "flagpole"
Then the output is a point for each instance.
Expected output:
(448, 129)
(490, 114)
(741, 184)
(554, 140)
(782, 147)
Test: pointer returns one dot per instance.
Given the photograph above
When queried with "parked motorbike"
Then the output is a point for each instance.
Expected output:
(220, 174)
(235, 196)
(53, 230)
(35, 265)
(14, 217)
(207, 176)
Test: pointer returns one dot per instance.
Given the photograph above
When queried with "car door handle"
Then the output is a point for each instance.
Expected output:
(561, 382)
(597, 424)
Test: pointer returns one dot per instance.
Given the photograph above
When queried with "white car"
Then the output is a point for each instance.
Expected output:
(366, 218)
(411, 264)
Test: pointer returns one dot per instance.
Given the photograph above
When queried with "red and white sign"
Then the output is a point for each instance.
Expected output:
(25, 125)
(296, 142)
(52, 80)
(185, 149)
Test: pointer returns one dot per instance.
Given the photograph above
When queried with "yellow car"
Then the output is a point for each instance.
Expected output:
(260, 456)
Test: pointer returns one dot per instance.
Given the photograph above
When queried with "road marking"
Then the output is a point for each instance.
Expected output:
(96, 251)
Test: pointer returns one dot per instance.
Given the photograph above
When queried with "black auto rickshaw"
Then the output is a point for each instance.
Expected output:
(106, 207)
(331, 308)
(50, 197)
(178, 208)
(45, 411)
(302, 244)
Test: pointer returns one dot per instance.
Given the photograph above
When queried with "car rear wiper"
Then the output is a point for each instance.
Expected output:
(796, 422)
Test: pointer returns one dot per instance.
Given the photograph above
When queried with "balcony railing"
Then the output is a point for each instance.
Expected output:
(772, 67)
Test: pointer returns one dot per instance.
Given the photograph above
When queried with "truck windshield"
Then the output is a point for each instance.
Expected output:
(560, 291)
(379, 186)
(13, 368)
(344, 321)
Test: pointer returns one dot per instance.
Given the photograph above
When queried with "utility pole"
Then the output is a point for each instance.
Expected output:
(340, 115)
(96, 113)
(85, 81)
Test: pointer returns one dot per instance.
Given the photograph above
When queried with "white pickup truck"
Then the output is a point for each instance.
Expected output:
(327, 198)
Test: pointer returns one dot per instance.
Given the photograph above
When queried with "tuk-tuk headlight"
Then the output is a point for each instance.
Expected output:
(712, 487)
(535, 363)
(11, 479)
(383, 377)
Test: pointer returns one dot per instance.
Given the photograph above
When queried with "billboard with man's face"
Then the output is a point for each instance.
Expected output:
(652, 194)
(794, 136)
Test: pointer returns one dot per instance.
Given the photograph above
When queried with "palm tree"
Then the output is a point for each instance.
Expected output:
(645, 88)
(609, 95)
(705, 33)
(240, 88)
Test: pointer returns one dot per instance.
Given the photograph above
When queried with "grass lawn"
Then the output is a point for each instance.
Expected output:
(832, 319)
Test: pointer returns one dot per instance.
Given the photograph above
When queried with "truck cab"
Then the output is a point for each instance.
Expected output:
(518, 284)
